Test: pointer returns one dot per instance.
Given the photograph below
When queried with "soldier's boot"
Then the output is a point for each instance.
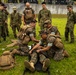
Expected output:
(15, 51)
(4, 38)
(66, 39)
(65, 53)
(8, 34)
(29, 65)
(46, 64)
(72, 40)
(15, 35)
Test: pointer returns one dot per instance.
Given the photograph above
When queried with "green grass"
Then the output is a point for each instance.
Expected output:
(67, 66)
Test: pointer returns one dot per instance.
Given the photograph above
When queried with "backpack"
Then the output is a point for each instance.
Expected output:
(22, 35)
(7, 60)
(28, 13)
(58, 43)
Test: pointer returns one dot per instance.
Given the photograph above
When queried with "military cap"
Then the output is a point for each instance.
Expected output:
(43, 3)
(34, 20)
(43, 32)
(14, 7)
(69, 6)
(46, 23)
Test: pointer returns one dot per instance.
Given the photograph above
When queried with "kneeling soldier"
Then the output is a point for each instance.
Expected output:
(25, 35)
(39, 50)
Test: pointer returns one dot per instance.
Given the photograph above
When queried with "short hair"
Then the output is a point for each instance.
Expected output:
(69, 6)
(43, 3)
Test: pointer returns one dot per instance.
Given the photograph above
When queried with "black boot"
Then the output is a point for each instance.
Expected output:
(72, 41)
(4, 39)
(66, 39)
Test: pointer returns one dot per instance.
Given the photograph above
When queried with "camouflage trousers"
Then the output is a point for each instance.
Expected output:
(2, 32)
(14, 30)
(56, 54)
(7, 31)
(21, 51)
(41, 26)
(71, 31)
(34, 57)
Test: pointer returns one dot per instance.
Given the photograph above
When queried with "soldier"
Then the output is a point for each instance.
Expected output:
(51, 29)
(2, 23)
(39, 50)
(44, 14)
(15, 21)
(6, 16)
(28, 14)
(70, 24)
(25, 35)
(51, 44)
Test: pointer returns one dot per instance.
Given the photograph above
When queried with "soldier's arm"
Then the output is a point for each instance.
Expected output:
(49, 45)
(50, 16)
(45, 49)
(12, 44)
(35, 47)
(31, 34)
(23, 18)
(34, 39)
(34, 15)
(39, 16)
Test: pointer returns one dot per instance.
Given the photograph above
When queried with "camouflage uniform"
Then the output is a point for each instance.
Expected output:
(24, 37)
(41, 57)
(70, 26)
(15, 22)
(44, 15)
(53, 30)
(6, 25)
(2, 25)
(57, 47)
(29, 15)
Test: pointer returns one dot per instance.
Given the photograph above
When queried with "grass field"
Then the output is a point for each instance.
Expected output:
(67, 66)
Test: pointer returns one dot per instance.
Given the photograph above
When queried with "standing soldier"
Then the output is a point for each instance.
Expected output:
(70, 24)
(15, 21)
(2, 23)
(44, 14)
(6, 16)
(28, 14)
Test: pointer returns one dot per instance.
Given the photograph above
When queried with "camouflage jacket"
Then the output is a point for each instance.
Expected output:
(15, 18)
(6, 14)
(44, 15)
(24, 36)
(53, 30)
(70, 19)
(2, 17)
(28, 13)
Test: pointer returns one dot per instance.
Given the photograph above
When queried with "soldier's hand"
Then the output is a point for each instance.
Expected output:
(30, 51)
(38, 51)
